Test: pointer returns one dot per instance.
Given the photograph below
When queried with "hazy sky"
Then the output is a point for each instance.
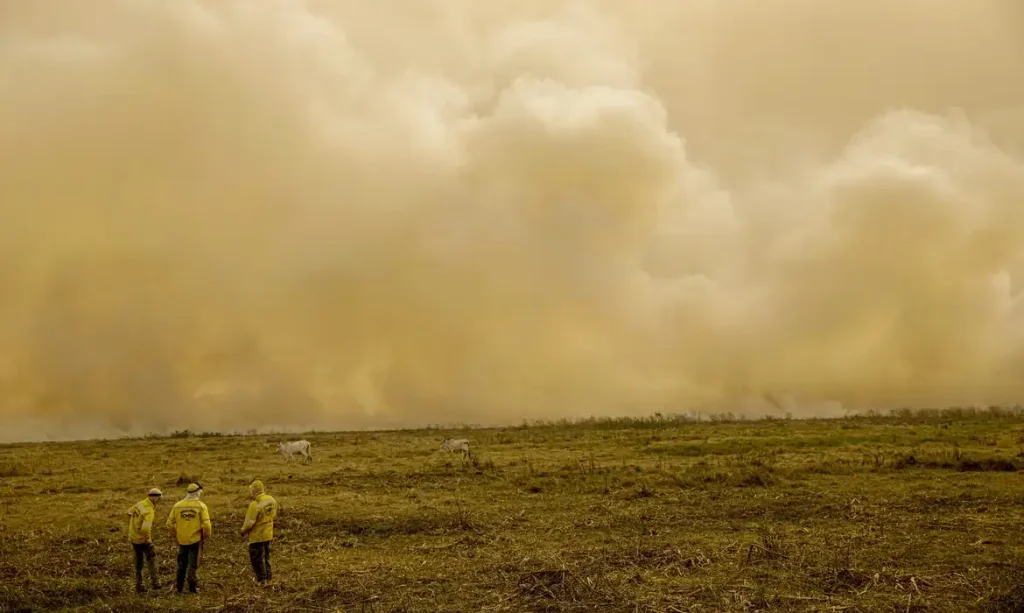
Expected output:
(226, 214)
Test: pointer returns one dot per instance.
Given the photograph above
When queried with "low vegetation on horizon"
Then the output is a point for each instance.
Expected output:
(918, 511)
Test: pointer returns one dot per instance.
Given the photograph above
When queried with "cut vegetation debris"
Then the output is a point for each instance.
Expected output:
(912, 511)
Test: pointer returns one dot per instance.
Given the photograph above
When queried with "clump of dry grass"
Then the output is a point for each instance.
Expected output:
(906, 511)
(14, 469)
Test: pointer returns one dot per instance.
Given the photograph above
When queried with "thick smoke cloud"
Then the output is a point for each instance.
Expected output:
(223, 214)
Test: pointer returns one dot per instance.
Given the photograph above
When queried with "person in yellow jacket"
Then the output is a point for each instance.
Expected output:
(190, 526)
(259, 525)
(140, 533)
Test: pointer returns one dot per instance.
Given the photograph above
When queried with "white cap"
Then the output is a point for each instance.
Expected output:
(155, 492)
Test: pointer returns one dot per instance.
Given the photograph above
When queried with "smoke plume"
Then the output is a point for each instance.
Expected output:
(225, 214)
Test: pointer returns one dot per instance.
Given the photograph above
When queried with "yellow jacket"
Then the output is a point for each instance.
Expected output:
(191, 521)
(140, 524)
(260, 516)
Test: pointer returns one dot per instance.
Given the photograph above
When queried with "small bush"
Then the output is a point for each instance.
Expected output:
(905, 461)
(13, 469)
(986, 465)
(759, 477)
(644, 492)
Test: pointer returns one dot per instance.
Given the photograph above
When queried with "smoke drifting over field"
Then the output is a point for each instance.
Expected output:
(224, 214)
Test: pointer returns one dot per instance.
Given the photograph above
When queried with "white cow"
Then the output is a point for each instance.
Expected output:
(453, 445)
(301, 447)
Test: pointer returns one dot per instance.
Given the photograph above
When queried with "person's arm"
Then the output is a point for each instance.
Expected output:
(147, 524)
(250, 519)
(204, 516)
(170, 527)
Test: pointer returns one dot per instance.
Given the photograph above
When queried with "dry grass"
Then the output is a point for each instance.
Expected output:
(905, 512)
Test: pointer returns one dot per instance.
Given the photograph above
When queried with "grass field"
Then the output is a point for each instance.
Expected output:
(910, 511)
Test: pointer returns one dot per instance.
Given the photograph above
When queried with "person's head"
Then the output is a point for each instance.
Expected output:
(194, 490)
(256, 488)
(155, 495)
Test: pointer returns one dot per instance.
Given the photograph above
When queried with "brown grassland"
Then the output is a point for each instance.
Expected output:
(906, 511)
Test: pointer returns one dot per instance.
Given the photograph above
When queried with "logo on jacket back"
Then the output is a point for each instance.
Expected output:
(189, 514)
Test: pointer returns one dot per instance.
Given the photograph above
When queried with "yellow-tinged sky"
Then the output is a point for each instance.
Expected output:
(225, 214)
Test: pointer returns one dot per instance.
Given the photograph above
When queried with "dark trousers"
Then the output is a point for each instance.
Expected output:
(144, 552)
(188, 562)
(259, 556)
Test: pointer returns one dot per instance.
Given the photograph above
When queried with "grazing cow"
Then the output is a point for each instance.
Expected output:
(453, 445)
(301, 447)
